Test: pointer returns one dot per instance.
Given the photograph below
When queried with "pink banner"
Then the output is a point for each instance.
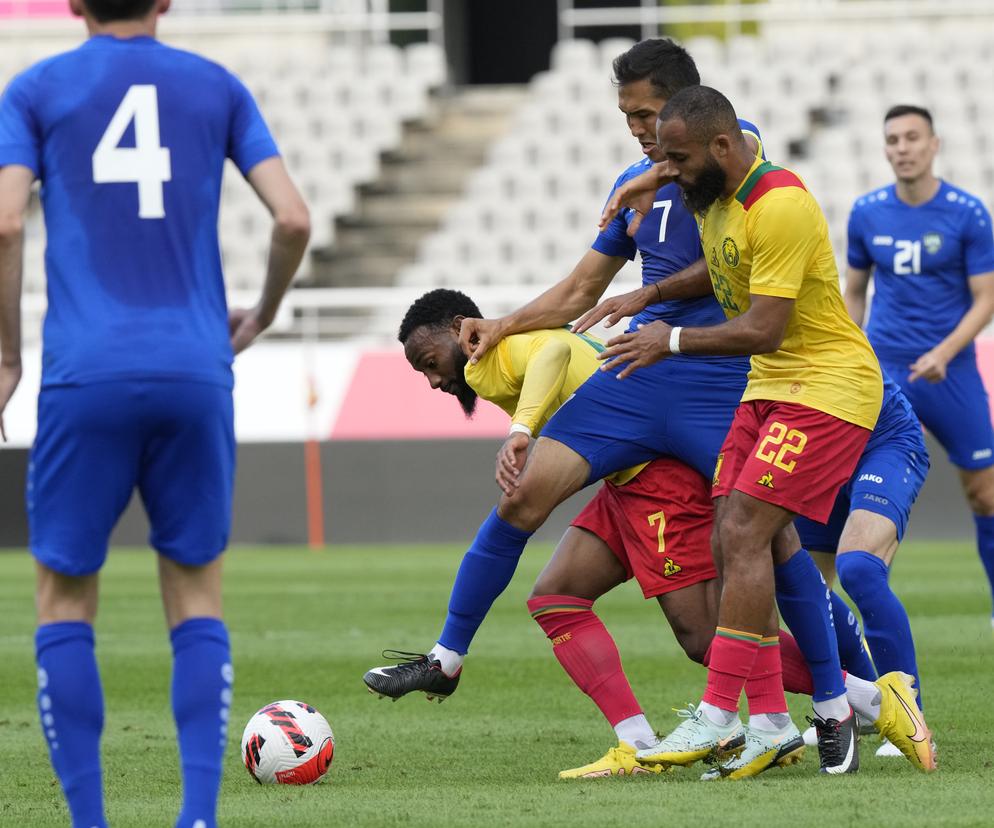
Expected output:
(34, 8)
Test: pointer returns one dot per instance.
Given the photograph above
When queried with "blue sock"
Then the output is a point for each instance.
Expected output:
(202, 677)
(804, 604)
(71, 704)
(484, 573)
(985, 546)
(852, 654)
(888, 632)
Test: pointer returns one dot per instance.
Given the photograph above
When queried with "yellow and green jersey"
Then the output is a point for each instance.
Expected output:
(771, 239)
(529, 375)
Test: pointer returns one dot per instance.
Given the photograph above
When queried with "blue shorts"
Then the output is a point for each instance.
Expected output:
(955, 410)
(174, 441)
(890, 474)
(679, 407)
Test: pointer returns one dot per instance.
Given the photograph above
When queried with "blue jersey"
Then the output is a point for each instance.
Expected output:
(129, 139)
(668, 241)
(923, 258)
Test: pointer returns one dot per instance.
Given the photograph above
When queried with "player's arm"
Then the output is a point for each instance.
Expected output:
(558, 306)
(759, 330)
(542, 362)
(291, 230)
(637, 193)
(857, 282)
(932, 364)
(692, 282)
(15, 190)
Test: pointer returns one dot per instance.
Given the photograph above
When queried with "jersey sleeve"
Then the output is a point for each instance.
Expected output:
(614, 240)
(542, 361)
(857, 255)
(20, 135)
(750, 129)
(978, 242)
(784, 237)
(249, 139)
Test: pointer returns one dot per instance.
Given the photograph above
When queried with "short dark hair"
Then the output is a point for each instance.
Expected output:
(668, 67)
(437, 308)
(107, 11)
(704, 110)
(909, 109)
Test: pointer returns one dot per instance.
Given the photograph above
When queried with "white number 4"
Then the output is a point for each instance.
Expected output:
(662, 219)
(147, 164)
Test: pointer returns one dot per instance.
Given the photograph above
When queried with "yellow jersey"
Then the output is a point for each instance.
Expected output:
(529, 375)
(771, 239)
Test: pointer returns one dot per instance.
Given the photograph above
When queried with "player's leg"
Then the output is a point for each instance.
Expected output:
(186, 483)
(978, 486)
(957, 412)
(80, 478)
(553, 473)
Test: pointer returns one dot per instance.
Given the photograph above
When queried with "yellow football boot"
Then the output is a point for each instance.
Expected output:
(902, 722)
(618, 761)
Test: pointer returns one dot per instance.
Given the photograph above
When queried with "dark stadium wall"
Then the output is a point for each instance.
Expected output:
(401, 491)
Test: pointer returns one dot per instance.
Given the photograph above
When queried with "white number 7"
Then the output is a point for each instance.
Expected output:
(147, 164)
(662, 219)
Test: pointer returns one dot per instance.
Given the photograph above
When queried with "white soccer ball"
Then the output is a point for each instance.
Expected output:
(287, 743)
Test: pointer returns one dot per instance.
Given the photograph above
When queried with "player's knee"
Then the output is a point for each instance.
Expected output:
(860, 573)
(980, 495)
(522, 512)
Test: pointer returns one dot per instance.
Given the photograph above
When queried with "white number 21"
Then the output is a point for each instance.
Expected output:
(147, 164)
(662, 219)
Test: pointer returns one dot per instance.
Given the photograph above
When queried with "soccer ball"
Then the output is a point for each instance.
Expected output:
(287, 743)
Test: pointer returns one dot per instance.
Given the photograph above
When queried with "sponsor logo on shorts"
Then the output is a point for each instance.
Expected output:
(561, 639)
(872, 478)
(883, 501)
(670, 569)
(766, 480)
(717, 469)
(730, 252)
(982, 454)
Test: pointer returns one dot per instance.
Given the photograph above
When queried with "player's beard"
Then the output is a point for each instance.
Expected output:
(466, 395)
(707, 189)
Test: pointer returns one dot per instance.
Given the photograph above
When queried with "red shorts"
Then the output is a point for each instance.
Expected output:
(789, 455)
(658, 525)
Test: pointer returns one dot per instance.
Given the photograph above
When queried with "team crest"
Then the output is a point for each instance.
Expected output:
(670, 569)
(730, 252)
(932, 242)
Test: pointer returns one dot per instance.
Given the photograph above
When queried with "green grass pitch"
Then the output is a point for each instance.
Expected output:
(307, 624)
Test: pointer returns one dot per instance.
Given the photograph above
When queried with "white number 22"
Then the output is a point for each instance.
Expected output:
(147, 164)
(662, 219)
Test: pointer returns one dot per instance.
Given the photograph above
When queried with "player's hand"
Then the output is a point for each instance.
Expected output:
(649, 344)
(477, 336)
(929, 366)
(511, 460)
(616, 308)
(638, 194)
(10, 376)
(244, 325)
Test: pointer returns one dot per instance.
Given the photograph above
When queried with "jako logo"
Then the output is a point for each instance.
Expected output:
(982, 454)
(873, 478)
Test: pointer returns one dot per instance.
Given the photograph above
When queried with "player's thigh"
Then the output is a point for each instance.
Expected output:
(957, 412)
(82, 470)
(583, 564)
(187, 472)
(190, 591)
(553, 472)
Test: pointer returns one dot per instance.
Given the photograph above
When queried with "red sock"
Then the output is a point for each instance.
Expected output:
(764, 687)
(796, 675)
(587, 653)
(733, 654)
